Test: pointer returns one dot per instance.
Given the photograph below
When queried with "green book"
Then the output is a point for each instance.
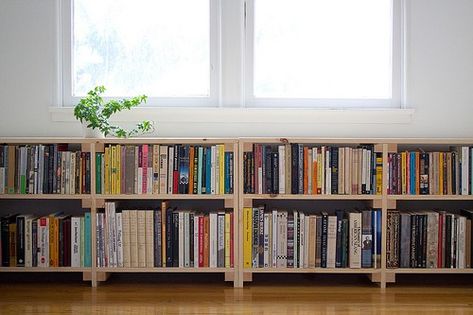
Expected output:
(98, 173)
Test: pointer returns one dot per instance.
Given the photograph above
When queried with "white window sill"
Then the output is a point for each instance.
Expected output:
(251, 115)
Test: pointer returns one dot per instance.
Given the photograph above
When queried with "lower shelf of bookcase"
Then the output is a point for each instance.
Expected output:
(313, 270)
(167, 270)
(431, 270)
(44, 269)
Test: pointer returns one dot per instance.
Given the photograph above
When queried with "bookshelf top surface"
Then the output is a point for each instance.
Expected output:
(150, 140)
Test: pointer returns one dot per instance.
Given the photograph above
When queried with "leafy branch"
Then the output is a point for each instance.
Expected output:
(95, 112)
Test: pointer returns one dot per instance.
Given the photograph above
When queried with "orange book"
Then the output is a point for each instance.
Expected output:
(191, 170)
(314, 171)
(206, 240)
(306, 167)
(53, 241)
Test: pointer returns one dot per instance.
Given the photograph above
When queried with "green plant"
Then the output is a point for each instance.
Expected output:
(95, 112)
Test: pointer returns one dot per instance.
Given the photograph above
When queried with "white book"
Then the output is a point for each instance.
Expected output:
(213, 240)
(465, 173)
(170, 169)
(302, 240)
(221, 239)
(266, 240)
(331, 241)
(119, 238)
(149, 215)
(306, 242)
(140, 178)
(75, 242)
(141, 238)
(196, 241)
(213, 159)
(163, 169)
(270, 240)
(296, 232)
(260, 180)
(355, 239)
(348, 167)
(28, 241)
(181, 239)
(126, 238)
(368, 165)
(282, 169)
(186, 239)
(134, 238)
(341, 170)
(274, 239)
(282, 246)
(43, 242)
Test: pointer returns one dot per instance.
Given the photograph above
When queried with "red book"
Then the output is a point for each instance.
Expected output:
(201, 241)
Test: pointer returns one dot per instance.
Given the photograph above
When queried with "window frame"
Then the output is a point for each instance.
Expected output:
(66, 59)
(398, 70)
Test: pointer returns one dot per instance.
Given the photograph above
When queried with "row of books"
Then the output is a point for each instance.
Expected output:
(56, 240)
(303, 169)
(43, 169)
(431, 173)
(429, 239)
(294, 239)
(164, 169)
(165, 237)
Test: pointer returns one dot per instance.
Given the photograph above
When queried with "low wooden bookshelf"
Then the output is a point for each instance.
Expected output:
(96, 201)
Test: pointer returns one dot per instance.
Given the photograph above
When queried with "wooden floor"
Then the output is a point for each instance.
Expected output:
(147, 294)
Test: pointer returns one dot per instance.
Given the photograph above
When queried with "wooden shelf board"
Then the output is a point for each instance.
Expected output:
(430, 197)
(431, 270)
(209, 141)
(328, 141)
(166, 196)
(313, 270)
(44, 269)
(312, 197)
(170, 270)
(44, 196)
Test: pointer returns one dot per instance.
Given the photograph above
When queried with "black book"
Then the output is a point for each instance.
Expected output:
(175, 171)
(324, 240)
(204, 170)
(87, 173)
(195, 178)
(157, 238)
(175, 239)
(191, 241)
(46, 170)
(344, 246)
(294, 169)
(424, 174)
(413, 246)
(246, 172)
(338, 253)
(20, 241)
(184, 170)
(267, 170)
(300, 173)
(448, 241)
(169, 237)
(34, 243)
(424, 241)
(51, 170)
(252, 172)
(334, 168)
(275, 172)
(454, 174)
(5, 227)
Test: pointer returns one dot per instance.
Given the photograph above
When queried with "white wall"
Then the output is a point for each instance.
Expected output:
(439, 79)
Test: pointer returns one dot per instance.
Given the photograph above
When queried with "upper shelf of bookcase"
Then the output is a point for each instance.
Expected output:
(46, 196)
(310, 140)
(166, 196)
(430, 197)
(47, 140)
(312, 197)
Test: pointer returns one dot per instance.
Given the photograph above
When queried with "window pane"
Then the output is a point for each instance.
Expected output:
(338, 49)
(157, 47)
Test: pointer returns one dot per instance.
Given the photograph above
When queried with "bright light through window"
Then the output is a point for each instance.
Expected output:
(337, 49)
(160, 48)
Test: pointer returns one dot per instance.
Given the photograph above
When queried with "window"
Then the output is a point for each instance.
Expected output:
(336, 53)
(160, 48)
(253, 53)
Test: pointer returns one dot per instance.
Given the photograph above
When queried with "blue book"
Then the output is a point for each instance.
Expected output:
(378, 237)
(227, 172)
(412, 173)
(87, 237)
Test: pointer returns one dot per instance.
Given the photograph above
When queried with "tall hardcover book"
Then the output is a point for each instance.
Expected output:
(367, 240)
(355, 226)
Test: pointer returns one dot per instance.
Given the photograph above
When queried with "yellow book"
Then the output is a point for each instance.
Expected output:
(404, 172)
(247, 240)
(119, 168)
(379, 174)
(107, 171)
(221, 152)
(114, 169)
(53, 241)
(227, 239)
